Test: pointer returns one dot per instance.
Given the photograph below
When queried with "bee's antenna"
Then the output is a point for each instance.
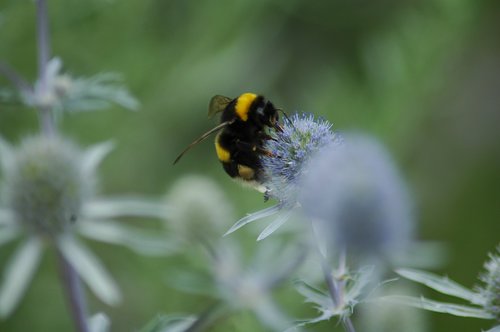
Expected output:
(286, 117)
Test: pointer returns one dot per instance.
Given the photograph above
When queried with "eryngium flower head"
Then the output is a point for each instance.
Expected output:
(491, 289)
(45, 185)
(201, 208)
(355, 196)
(301, 137)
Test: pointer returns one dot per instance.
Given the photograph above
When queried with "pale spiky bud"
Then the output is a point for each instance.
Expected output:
(45, 184)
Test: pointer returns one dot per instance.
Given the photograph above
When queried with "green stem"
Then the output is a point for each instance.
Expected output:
(336, 288)
(47, 123)
(74, 291)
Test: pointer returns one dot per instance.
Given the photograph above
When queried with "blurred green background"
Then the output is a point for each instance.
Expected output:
(423, 76)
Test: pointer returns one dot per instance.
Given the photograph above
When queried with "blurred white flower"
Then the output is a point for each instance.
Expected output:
(47, 198)
(202, 210)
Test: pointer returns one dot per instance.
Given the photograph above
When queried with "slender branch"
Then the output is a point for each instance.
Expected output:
(47, 123)
(43, 41)
(74, 291)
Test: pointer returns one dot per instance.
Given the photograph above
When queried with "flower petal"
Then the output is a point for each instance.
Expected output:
(138, 240)
(447, 308)
(18, 274)
(273, 226)
(313, 294)
(253, 217)
(95, 155)
(123, 207)
(441, 284)
(90, 269)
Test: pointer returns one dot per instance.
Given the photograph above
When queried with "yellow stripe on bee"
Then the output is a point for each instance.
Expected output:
(246, 172)
(243, 104)
(222, 153)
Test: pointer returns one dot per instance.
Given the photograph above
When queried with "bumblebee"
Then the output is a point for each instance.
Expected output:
(241, 135)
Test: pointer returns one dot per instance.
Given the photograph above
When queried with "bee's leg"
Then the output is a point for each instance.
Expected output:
(267, 137)
(245, 146)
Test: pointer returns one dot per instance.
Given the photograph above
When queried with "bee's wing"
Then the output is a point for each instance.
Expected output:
(217, 104)
(201, 138)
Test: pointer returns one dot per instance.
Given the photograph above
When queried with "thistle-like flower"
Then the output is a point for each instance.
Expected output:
(302, 137)
(48, 196)
(356, 199)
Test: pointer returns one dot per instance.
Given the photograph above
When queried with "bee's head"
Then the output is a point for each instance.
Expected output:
(267, 114)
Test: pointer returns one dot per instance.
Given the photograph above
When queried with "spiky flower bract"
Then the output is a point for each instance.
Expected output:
(357, 199)
(45, 185)
(490, 291)
(62, 92)
(302, 136)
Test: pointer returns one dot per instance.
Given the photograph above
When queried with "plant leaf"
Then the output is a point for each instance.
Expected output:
(253, 217)
(94, 155)
(97, 92)
(442, 307)
(274, 225)
(313, 294)
(170, 323)
(90, 269)
(138, 240)
(440, 284)
(361, 280)
(18, 274)
(105, 208)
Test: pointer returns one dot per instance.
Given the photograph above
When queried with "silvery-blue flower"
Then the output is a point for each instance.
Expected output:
(48, 197)
(355, 197)
(302, 136)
